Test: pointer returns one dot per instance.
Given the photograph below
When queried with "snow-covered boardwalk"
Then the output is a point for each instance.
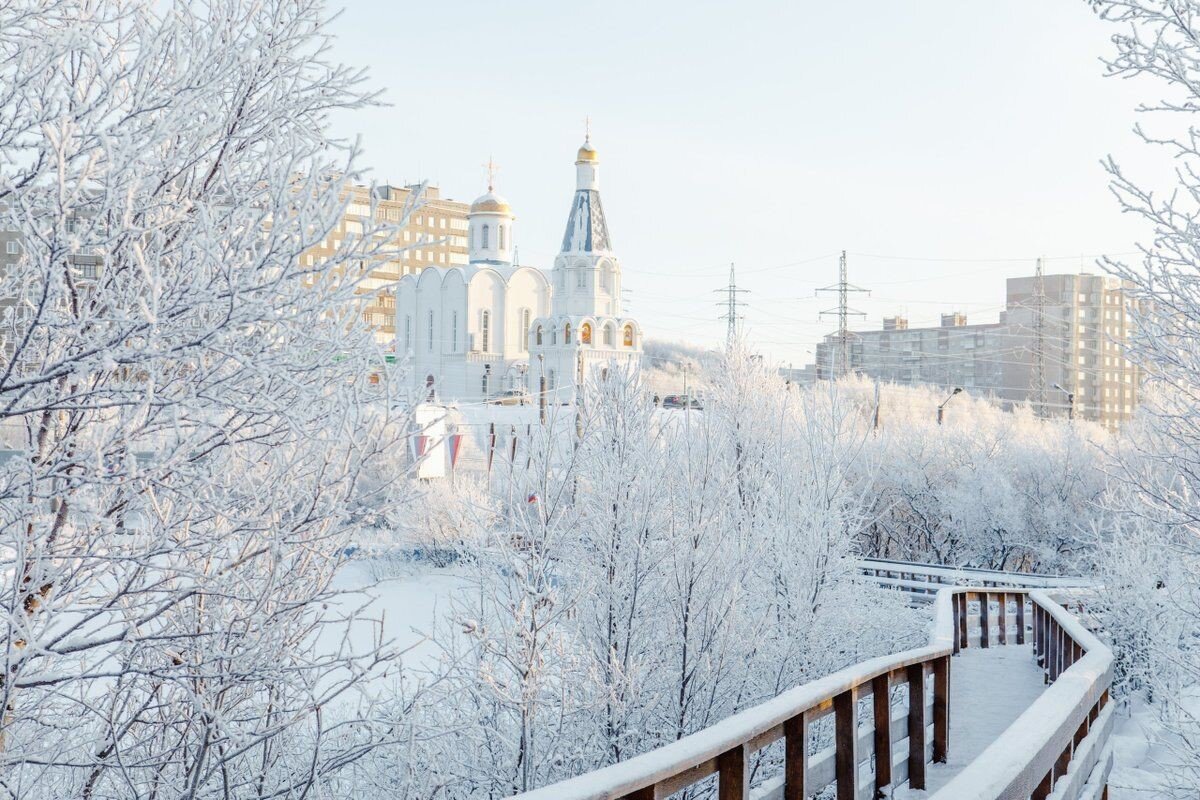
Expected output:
(1014, 704)
(989, 689)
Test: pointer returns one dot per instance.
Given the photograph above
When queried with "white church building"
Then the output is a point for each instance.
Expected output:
(474, 332)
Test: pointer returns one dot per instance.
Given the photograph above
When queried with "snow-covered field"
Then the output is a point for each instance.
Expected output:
(406, 608)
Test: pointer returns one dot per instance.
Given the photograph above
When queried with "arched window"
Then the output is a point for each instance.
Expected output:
(429, 387)
(581, 278)
(526, 318)
(485, 329)
(609, 335)
(500, 230)
(454, 332)
(538, 334)
(585, 333)
(430, 330)
(554, 336)
(484, 235)
(407, 332)
(628, 336)
(567, 334)
(550, 380)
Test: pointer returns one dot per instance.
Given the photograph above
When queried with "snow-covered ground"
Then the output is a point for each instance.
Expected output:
(989, 689)
(409, 607)
(1138, 757)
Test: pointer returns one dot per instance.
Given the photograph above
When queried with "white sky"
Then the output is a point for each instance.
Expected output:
(944, 143)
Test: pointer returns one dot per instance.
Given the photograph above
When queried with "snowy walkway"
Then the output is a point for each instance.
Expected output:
(989, 689)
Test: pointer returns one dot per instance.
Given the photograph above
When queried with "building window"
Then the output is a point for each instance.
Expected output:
(407, 333)
(581, 279)
(500, 232)
(485, 381)
(10, 248)
(628, 336)
(454, 332)
(430, 331)
(554, 336)
(567, 334)
(608, 335)
(606, 280)
(485, 329)
(585, 333)
(538, 334)
(526, 318)
(484, 237)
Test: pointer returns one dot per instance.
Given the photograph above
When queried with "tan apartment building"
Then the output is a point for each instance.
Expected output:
(435, 236)
(1084, 327)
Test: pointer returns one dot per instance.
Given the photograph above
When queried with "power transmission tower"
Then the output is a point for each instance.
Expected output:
(843, 311)
(731, 304)
(1037, 384)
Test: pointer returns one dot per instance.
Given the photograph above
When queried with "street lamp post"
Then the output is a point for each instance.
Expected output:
(942, 407)
(1070, 402)
(542, 389)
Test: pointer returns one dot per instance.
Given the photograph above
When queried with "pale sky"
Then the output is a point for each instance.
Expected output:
(945, 144)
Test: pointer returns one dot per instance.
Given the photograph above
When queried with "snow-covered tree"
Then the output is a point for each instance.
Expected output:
(186, 400)
(1151, 550)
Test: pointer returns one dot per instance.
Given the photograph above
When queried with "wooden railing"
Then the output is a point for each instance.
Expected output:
(923, 581)
(1062, 735)
(1060, 743)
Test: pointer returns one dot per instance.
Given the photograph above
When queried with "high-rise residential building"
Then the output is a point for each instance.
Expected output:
(1075, 355)
(434, 236)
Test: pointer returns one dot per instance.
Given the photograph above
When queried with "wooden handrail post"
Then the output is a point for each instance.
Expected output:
(1020, 619)
(916, 726)
(881, 700)
(795, 757)
(845, 709)
(733, 778)
(984, 601)
(956, 615)
(961, 597)
(1043, 788)
(1002, 618)
(1037, 634)
(941, 709)
(1056, 637)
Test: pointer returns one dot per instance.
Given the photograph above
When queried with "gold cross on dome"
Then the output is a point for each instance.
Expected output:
(587, 129)
(492, 168)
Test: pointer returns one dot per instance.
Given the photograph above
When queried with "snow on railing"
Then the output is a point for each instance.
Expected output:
(929, 578)
(1061, 738)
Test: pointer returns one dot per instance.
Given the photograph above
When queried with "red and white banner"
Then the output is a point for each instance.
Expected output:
(455, 448)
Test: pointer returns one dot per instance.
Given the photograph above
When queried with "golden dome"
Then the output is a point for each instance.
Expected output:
(491, 203)
(587, 153)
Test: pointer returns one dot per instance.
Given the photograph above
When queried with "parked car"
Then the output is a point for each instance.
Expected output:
(513, 397)
(681, 401)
